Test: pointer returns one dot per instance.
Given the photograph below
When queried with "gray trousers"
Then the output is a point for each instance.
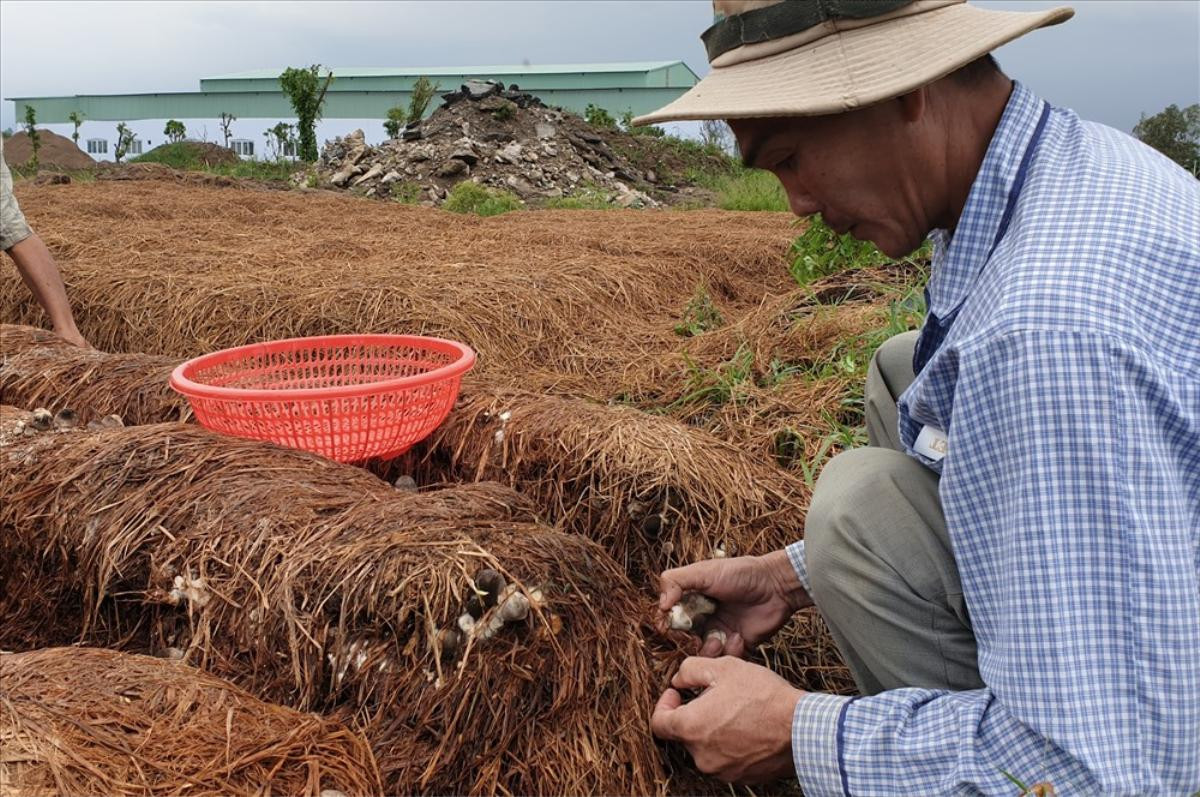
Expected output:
(879, 560)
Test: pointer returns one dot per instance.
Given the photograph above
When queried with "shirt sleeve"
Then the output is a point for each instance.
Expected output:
(1072, 495)
(13, 228)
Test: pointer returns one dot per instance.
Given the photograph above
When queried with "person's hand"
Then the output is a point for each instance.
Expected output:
(755, 596)
(740, 728)
(71, 335)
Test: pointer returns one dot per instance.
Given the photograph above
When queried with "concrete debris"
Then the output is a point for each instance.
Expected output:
(499, 137)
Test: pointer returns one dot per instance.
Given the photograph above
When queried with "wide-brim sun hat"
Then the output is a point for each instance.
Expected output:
(813, 57)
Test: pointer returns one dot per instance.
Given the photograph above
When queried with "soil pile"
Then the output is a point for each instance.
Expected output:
(56, 152)
(189, 155)
(503, 138)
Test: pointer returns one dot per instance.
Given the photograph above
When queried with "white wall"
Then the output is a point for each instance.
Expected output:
(151, 132)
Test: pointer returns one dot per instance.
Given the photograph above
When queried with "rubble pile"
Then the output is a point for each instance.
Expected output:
(496, 136)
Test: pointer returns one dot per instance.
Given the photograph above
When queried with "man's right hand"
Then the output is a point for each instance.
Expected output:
(755, 596)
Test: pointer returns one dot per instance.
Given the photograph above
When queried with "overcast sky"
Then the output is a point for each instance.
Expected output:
(1112, 62)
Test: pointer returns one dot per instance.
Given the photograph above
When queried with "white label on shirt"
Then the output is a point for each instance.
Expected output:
(931, 443)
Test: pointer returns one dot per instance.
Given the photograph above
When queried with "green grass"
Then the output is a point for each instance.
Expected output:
(742, 189)
(587, 197)
(700, 315)
(819, 251)
(184, 157)
(180, 155)
(469, 197)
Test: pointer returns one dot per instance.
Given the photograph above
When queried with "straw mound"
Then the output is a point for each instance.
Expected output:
(16, 338)
(320, 586)
(652, 491)
(93, 721)
(201, 268)
(92, 383)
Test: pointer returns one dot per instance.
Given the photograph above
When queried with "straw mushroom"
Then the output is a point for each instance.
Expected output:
(693, 607)
(43, 419)
(65, 418)
(107, 422)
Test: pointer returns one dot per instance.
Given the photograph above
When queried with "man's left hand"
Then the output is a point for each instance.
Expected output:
(740, 728)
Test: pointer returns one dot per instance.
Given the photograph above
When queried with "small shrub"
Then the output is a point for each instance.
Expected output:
(124, 140)
(396, 117)
(313, 181)
(505, 111)
(469, 197)
(35, 138)
(422, 93)
(406, 193)
(640, 130)
(76, 119)
(700, 315)
(587, 197)
(227, 120)
(598, 117)
(819, 252)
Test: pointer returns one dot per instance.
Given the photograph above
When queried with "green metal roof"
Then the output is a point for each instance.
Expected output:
(432, 71)
(367, 93)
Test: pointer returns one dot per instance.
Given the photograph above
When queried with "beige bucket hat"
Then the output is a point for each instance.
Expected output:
(810, 57)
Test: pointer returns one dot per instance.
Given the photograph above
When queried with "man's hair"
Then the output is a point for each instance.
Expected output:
(976, 72)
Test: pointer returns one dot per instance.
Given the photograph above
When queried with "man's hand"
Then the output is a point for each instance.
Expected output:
(740, 728)
(756, 595)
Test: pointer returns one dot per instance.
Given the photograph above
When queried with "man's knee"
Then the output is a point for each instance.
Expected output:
(860, 503)
(893, 360)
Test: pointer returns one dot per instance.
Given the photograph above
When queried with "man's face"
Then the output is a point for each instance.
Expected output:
(848, 167)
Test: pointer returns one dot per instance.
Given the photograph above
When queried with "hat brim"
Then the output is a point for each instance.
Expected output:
(854, 68)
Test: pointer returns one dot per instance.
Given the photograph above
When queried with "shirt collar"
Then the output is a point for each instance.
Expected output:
(958, 257)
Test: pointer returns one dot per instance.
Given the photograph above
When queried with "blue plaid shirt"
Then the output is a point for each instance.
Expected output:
(1069, 387)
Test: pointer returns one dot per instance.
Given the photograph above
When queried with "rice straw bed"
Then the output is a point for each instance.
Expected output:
(87, 721)
(51, 374)
(652, 491)
(320, 586)
(183, 269)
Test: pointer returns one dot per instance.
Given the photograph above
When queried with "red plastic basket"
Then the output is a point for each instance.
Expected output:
(347, 397)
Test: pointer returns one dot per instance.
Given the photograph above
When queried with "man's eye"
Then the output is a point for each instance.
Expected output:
(784, 164)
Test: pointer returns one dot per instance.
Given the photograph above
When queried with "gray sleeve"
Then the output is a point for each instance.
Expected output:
(13, 228)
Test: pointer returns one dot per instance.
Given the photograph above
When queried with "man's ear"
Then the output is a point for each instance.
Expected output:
(913, 104)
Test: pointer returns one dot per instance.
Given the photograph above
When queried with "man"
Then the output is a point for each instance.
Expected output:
(1012, 569)
(34, 261)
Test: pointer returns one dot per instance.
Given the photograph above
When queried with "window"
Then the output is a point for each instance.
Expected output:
(97, 146)
(243, 147)
(289, 149)
(135, 147)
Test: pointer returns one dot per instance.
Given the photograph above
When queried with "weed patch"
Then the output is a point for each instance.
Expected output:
(469, 197)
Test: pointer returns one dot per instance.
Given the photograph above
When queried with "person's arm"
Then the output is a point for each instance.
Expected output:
(34, 261)
(39, 272)
(1070, 489)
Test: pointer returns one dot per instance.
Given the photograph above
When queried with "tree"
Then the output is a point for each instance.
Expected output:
(278, 137)
(35, 138)
(227, 120)
(307, 93)
(1175, 133)
(395, 120)
(124, 140)
(175, 131)
(75, 118)
(422, 92)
